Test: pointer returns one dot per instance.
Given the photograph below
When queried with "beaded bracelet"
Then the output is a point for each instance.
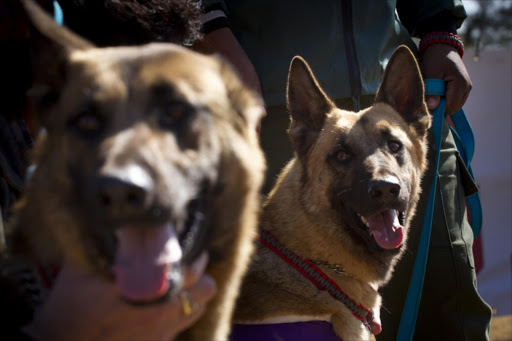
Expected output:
(441, 38)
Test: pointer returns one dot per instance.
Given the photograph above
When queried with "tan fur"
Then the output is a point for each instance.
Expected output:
(218, 146)
(304, 210)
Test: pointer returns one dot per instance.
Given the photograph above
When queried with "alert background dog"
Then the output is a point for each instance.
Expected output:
(151, 145)
(342, 204)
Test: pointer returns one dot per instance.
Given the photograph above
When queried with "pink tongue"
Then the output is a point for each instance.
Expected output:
(386, 229)
(142, 261)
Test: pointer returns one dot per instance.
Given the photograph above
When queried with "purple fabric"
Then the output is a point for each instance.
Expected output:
(297, 331)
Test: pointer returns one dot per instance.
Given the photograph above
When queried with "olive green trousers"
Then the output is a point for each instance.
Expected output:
(450, 307)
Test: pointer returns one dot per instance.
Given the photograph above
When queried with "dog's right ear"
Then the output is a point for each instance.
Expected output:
(402, 88)
(307, 104)
(50, 46)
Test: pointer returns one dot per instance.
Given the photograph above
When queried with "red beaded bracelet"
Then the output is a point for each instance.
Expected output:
(441, 38)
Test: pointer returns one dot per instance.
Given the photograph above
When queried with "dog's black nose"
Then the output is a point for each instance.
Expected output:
(384, 190)
(118, 200)
(122, 193)
(119, 196)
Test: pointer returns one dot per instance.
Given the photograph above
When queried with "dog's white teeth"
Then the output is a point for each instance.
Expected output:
(364, 220)
(396, 220)
(401, 218)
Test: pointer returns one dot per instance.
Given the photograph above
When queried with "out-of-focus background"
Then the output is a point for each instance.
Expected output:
(487, 35)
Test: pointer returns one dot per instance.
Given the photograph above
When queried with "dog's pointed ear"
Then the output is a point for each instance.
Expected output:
(247, 103)
(402, 88)
(308, 105)
(50, 46)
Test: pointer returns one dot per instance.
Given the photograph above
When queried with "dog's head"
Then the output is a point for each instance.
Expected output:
(142, 144)
(366, 166)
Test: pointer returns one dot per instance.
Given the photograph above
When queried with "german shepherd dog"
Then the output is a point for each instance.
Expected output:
(336, 221)
(150, 145)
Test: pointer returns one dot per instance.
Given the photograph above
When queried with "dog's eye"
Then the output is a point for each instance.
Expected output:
(342, 156)
(394, 146)
(173, 113)
(87, 123)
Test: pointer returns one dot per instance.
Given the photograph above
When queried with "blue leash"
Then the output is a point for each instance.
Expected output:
(58, 15)
(465, 142)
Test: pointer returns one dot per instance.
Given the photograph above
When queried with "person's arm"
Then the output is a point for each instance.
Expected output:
(82, 306)
(223, 42)
(440, 58)
(219, 39)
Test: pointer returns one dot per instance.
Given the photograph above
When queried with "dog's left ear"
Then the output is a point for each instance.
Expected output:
(402, 88)
(247, 103)
(50, 46)
(308, 105)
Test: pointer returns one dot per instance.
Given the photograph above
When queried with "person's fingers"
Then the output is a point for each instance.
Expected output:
(442, 61)
(161, 321)
(185, 322)
(432, 101)
(456, 94)
(175, 314)
(203, 290)
(177, 310)
(198, 287)
(195, 270)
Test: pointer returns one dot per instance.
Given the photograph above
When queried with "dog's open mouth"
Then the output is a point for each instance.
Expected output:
(386, 227)
(146, 261)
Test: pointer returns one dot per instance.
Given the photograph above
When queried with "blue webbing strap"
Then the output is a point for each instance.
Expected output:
(465, 141)
(464, 138)
(412, 302)
(58, 15)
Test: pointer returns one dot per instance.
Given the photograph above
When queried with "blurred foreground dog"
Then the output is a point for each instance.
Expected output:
(150, 157)
(336, 222)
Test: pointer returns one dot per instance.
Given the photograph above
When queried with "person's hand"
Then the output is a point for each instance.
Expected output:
(82, 306)
(442, 61)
